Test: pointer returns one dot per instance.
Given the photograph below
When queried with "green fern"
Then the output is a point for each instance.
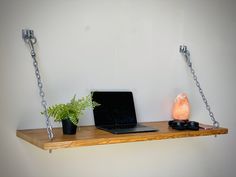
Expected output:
(72, 110)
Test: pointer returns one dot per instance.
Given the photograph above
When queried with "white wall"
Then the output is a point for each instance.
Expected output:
(125, 45)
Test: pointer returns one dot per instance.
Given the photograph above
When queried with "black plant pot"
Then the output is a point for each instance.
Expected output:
(68, 127)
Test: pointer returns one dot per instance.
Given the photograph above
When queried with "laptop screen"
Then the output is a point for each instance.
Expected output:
(117, 108)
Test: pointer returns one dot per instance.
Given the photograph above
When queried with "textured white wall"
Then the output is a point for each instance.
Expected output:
(119, 45)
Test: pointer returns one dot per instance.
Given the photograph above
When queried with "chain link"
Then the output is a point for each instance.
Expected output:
(183, 49)
(31, 42)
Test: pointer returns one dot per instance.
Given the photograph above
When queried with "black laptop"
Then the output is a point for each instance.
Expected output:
(116, 114)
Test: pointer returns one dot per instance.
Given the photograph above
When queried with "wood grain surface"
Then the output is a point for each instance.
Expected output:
(90, 135)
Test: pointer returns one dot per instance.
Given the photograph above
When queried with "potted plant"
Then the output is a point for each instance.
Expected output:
(70, 113)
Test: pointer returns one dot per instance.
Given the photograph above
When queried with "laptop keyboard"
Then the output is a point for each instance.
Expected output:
(123, 126)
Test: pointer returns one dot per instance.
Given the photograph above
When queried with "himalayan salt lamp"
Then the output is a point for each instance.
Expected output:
(181, 107)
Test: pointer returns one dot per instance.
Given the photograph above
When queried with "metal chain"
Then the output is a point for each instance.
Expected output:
(186, 53)
(31, 40)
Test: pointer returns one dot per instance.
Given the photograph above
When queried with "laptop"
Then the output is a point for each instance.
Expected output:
(116, 114)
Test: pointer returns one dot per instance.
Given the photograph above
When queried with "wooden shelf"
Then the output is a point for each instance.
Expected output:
(90, 135)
